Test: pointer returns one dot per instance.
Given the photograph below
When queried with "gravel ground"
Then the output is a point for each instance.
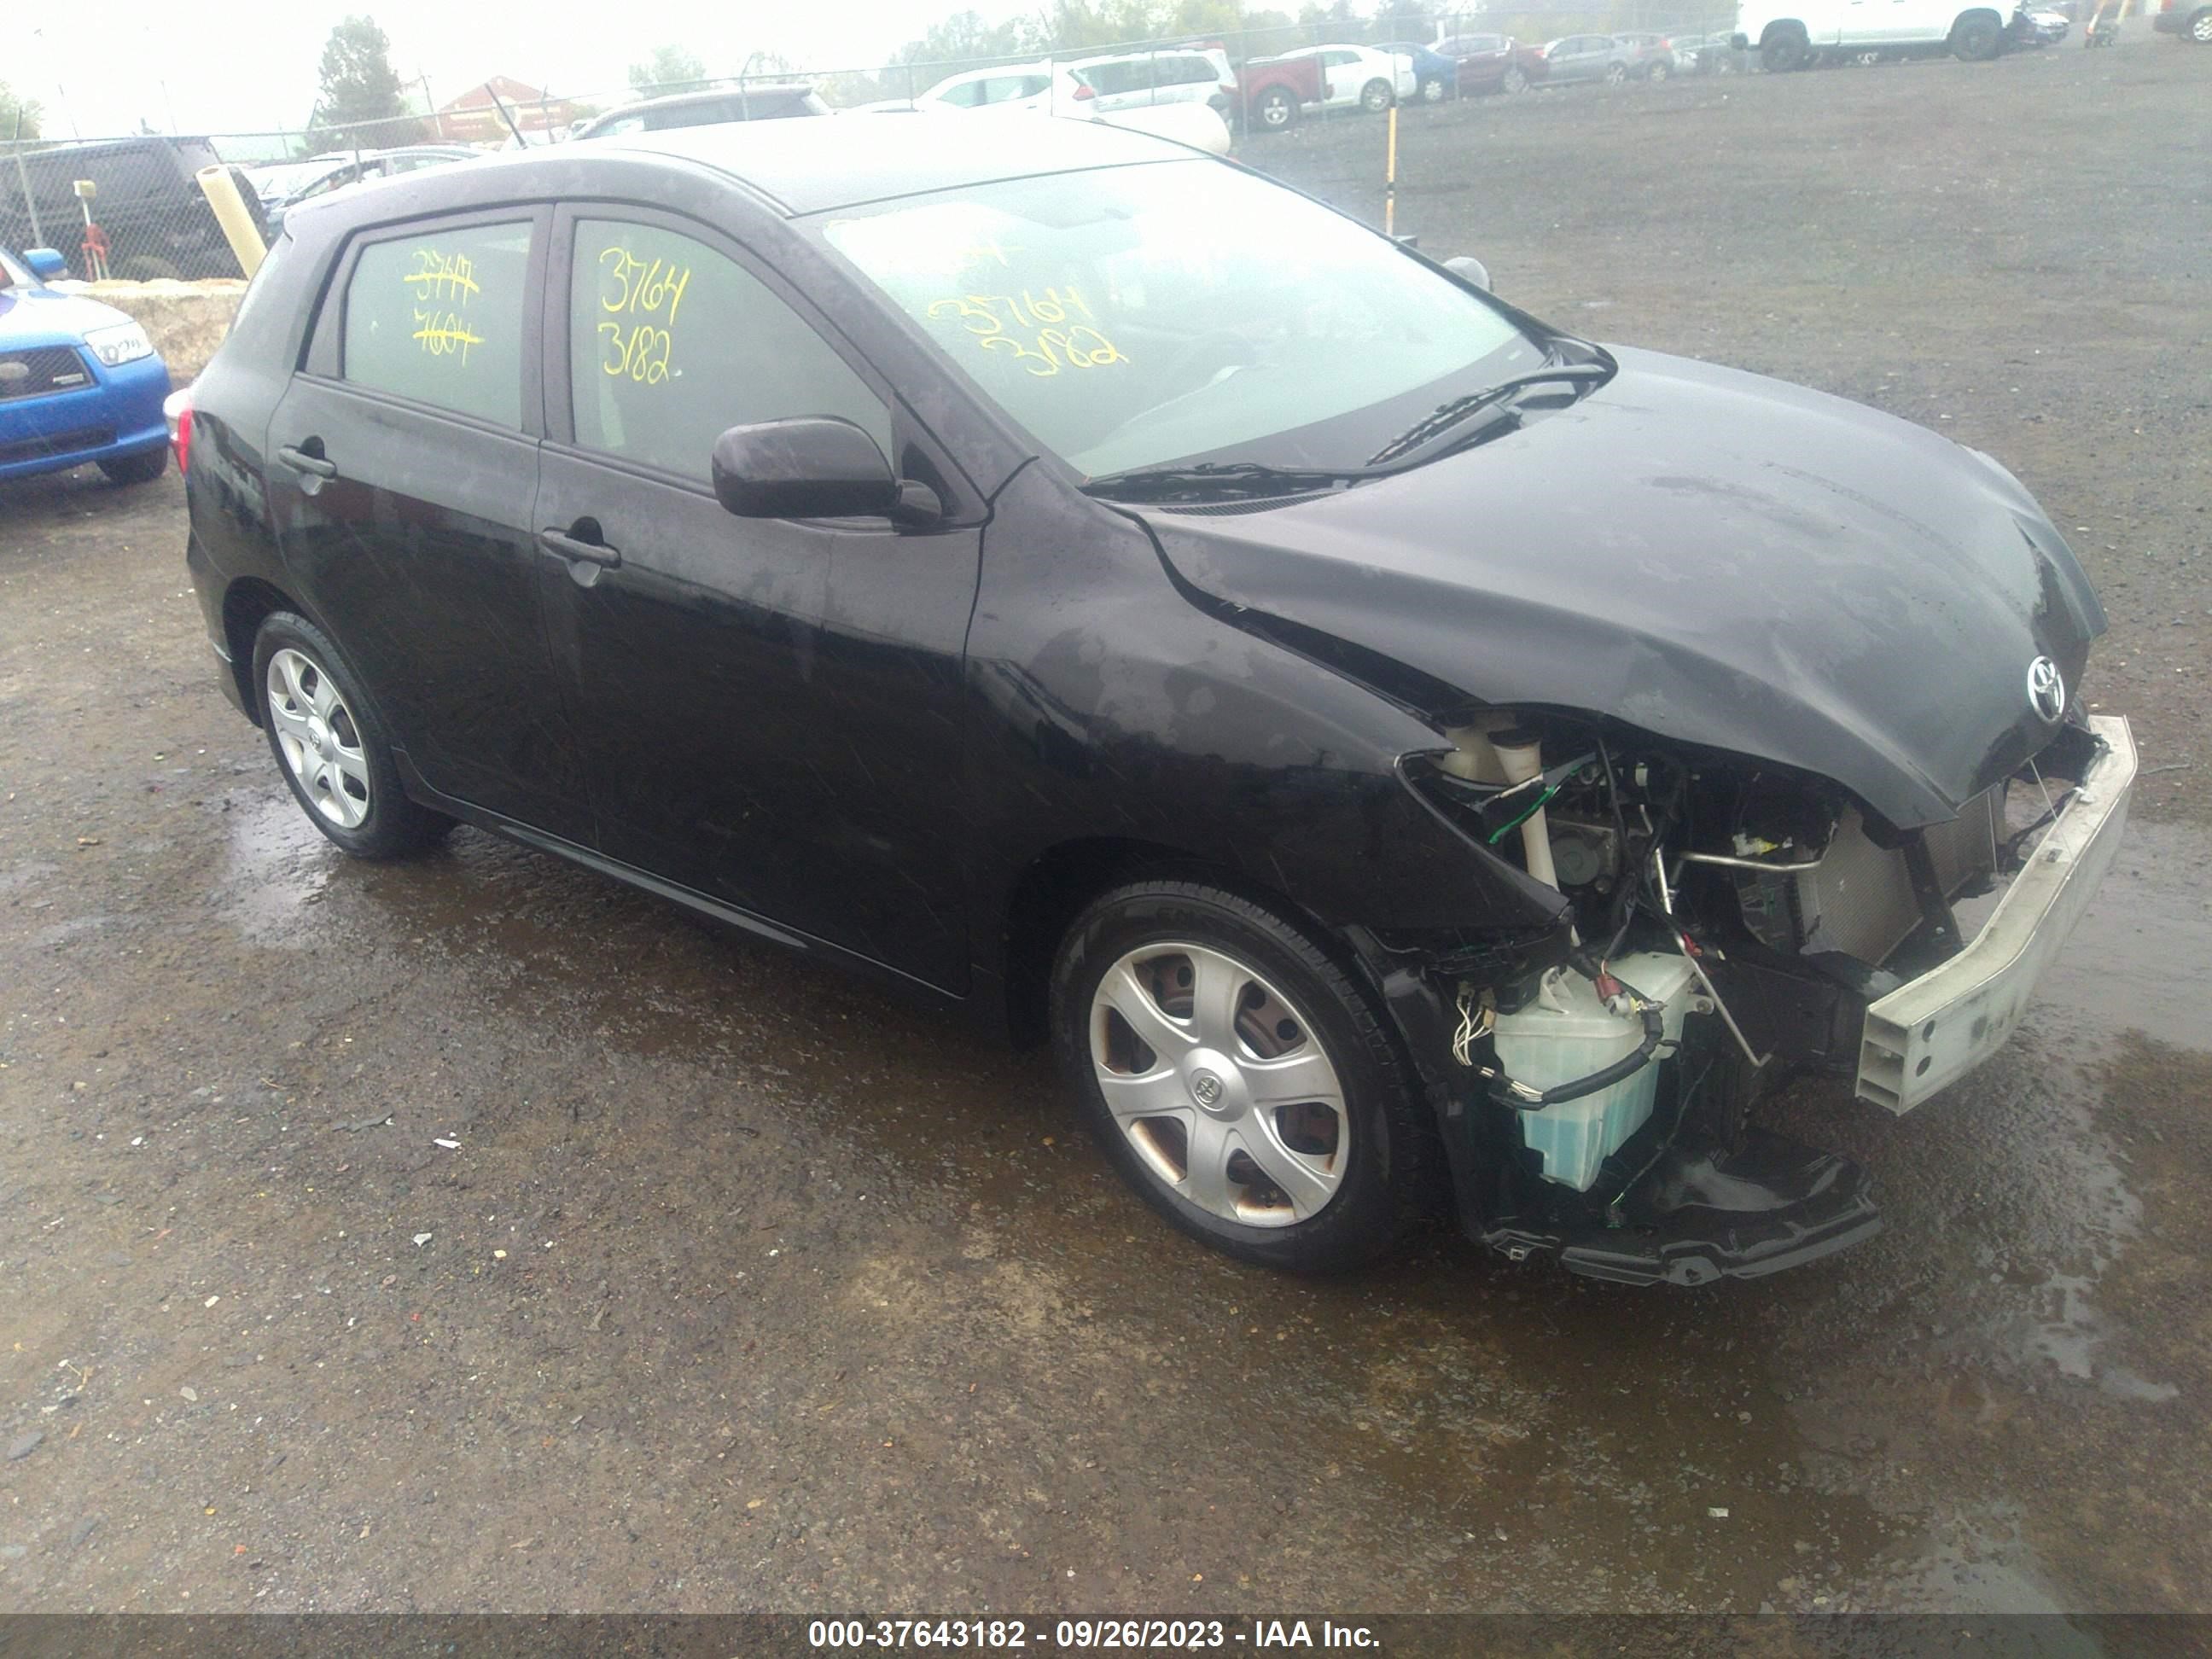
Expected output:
(741, 1287)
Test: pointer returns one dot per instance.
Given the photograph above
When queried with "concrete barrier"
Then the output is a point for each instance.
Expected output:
(187, 320)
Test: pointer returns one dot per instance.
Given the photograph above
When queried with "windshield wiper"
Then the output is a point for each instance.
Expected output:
(1445, 417)
(1220, 478)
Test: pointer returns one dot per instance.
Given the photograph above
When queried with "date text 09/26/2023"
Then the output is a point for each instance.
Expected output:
(1089, 1635)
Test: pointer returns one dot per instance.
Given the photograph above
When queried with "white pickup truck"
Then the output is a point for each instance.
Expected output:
(1791, 33)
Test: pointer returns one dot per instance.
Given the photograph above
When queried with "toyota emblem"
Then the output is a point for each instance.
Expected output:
(1207, 1088)
(2046, 690)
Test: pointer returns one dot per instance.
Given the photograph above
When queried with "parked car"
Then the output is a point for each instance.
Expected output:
(1004, 90)
(1589, 57)
(760, 101)
(1355, 77)
(1273, 92)
(2188, 20)
(1436, 77)
(1794, 33)
(2039, 27)
(1494, 62)
(79, 382)
(282, 185)
(1710, 54)
(1140, 80)
(1654, 55)
(146, 203)
(942, 559)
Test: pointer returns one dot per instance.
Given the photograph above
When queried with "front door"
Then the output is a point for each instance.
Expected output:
(403, 468)
(769, 708)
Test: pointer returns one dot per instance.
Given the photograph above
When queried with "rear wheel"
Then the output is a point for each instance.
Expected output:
(1783, 51)
(1615, 74)
(1239, 1078)
(1658, 72)
(330, 745)
(2200, 28)
(1978, 37)
(1273, 110)
(1376, 97)
(141, 468)
(1433, 89)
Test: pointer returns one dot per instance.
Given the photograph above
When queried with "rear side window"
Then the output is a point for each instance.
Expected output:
(437, 317)
(670, 343)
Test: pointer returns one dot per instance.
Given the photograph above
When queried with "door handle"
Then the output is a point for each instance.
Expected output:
(569, 547)
(301, 460)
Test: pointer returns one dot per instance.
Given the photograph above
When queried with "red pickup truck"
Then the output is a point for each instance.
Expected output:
(1270, 91)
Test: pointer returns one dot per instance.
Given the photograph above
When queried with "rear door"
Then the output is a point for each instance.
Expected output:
(1344, 75)
(403, 466)
(769, 708)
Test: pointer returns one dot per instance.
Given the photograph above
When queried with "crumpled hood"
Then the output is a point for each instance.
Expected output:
(1706, 555)
(45, 316)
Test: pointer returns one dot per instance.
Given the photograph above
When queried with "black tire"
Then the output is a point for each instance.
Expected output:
(1657, 72)
(2200, 28)
(1977, 38)
(1433, 89)
(1783, 51)
(1274, 110)
(1392, 1178)
(143, 468)
(1515, 79)
(394, 827)
(1376, 96)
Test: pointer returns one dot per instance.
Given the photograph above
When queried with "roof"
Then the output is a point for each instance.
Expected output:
(809, 167)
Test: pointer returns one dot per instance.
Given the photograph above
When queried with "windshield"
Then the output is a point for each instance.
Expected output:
(269, 183)
(12, 272)
(1134, 316)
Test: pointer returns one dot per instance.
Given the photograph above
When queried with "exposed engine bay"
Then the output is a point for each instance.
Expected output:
(1724, 923)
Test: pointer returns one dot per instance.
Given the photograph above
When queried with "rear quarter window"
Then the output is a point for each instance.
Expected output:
(436, 317)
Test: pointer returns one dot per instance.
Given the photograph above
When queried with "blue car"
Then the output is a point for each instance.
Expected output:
(1437, 75)
(79, 380)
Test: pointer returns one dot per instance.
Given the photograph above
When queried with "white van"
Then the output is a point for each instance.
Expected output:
(1791, 33)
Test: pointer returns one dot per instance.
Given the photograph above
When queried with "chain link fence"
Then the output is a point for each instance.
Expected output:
(131, 208)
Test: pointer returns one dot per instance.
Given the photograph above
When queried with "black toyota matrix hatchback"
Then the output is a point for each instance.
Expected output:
(1390, 747)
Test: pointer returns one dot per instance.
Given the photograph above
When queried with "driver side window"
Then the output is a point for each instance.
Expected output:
(671, 342)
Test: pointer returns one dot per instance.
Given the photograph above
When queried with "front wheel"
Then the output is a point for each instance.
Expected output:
(330, 745)
(1376, 97)
(1515, 80)
(1657, 73)
(1433, 89)
(2200, 28)
(1239, 1078)
(1978, 38)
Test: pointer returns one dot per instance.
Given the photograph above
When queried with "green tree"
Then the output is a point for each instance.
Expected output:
(964, 41)
(1401, 20)
(670, 69)
(16, 108)
(357, 99)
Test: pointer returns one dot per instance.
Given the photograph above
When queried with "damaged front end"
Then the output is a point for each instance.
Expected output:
(1726, 922)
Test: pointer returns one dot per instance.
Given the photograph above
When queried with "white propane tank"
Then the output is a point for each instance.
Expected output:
(1568, 1032)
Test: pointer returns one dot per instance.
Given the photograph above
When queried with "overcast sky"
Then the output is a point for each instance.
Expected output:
(251, 64)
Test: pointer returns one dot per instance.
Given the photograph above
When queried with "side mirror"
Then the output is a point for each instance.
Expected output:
(1469, 268)
(814, 467)
(44, 263)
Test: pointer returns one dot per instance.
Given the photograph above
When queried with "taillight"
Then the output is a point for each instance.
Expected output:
(1085, 94)
(179, 408)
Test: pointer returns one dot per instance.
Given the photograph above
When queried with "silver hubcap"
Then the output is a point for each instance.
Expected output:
(316, 734)
(1221, 1084)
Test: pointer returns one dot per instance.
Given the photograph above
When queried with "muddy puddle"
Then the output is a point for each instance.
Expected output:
(1814, 1443)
